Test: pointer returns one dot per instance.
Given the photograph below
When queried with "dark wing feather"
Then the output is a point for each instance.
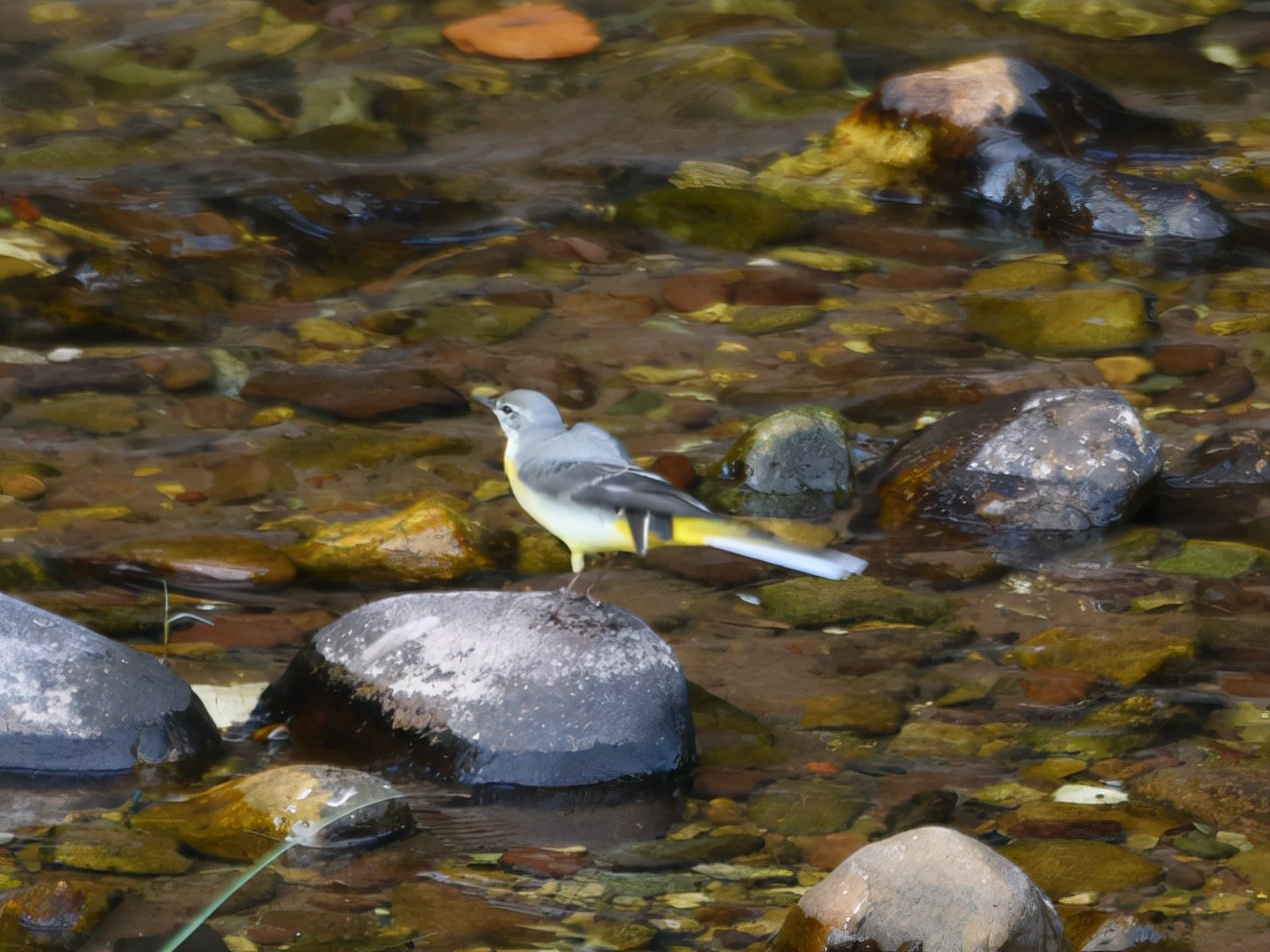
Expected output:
(648, 502)
(634, 490)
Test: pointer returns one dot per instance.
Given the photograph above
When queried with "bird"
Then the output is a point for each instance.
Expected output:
(581, 485)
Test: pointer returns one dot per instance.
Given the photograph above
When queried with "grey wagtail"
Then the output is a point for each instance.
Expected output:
(581, 485)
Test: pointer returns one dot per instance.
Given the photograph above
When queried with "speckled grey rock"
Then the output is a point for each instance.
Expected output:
(933, 886)
(525, 688)
(1049, 461)
(74, 702)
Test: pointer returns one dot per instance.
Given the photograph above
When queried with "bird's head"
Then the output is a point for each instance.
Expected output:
(522, 411)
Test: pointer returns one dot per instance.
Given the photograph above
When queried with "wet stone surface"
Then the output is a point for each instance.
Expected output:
(535, 690)
(77, 703)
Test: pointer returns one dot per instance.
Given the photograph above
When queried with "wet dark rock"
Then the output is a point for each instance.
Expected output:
(924, 808)
(357, 393)
(1220, 487)
(55, 914)
(1012, 123)
(794, 464)
(1187, 358)
(1219, 387)
(1026, 139)
(1204, 846)
(531, 689)
(1054, 460)
(1239, 457)
(681, 854)
(87, 373)
(74, 702)
(930, 886)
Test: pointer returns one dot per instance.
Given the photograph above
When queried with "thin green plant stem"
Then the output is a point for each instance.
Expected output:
(307, 837)
(238, 883)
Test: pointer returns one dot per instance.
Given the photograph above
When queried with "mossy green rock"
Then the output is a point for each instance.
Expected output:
(1207, 558)
(1071, 320)
(331, 449)
(814, 601)
(484, 324)
(55, 913)
(935, 739)
(431, 541)
(1066, 867)
(805, 807)
(100, 415)
(1125, 654)
(1133, 816)
(859, 712)
(759, 320)
(733, 219)
(1254, 866)
(1111, 731)
(114, 849)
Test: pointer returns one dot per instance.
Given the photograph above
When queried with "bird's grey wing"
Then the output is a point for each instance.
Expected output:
(648, 503)
(589, 466)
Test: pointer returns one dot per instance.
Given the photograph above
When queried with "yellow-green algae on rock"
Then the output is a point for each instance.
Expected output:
(431, 541)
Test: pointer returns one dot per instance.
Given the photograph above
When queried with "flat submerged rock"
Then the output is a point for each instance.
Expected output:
(524, 688)
(74, 702)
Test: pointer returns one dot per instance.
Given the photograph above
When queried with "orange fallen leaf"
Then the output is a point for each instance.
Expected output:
(527, 31)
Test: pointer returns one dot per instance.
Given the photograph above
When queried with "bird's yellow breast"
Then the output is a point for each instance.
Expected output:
(581, 527)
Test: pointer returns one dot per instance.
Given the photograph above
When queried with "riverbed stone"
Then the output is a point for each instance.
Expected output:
(55, 914)
(930, 886)
(1049, 461)
(357, 393)
(209, 560)
(793, 464)
(430, 541)
(806, 807)
(1072, 320)
(74, 702)
(311, 804)
(807, 601)
(1065, 867)
(1125, 653)
(528, 688)
(1224, 792)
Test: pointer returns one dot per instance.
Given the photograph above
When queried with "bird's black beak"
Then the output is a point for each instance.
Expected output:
(486, 402)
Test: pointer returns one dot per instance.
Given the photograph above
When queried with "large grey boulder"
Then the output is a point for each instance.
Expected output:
(1047, 461)
(932, 886)
(74, 702)
(527, 688)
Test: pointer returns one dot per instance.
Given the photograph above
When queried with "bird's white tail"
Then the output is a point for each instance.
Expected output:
(823, 563)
